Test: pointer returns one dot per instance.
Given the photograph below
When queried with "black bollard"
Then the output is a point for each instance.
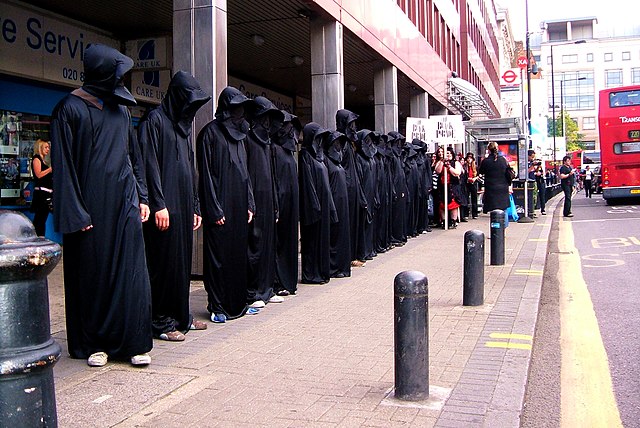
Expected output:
(27, 351)
(411, 336)
(497, 237)
(473, 287)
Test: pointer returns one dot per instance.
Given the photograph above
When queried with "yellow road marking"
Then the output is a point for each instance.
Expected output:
(510, 336)
(538, 239)
(511, 345)
(587, 398)
(528, 272)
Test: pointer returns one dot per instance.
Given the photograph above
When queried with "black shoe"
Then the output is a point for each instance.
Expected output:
(569, 215)
(464, 220)
(428, 229)
(543, 212)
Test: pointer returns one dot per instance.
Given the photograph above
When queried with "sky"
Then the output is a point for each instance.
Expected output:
(616, 14)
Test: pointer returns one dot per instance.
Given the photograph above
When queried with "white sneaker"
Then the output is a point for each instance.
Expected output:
(97, 359)
(257, 304)
(276, 299)
(141, 360)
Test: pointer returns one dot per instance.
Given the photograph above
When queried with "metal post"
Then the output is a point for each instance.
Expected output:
(411, 336)
(553, 114)
(27, 351)
(473, 286)
(497, 237)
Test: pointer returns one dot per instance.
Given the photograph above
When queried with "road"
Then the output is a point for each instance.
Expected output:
(585, 365)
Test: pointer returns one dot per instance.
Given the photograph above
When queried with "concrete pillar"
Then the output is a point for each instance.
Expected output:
(327, 71)
(200, 47)
(385, 88)
(419, 105)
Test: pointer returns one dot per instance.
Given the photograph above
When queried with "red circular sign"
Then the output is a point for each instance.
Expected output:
(509, 76)
(522, 62)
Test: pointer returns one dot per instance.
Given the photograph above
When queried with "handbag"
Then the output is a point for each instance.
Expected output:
(512, 211)
(510, 174)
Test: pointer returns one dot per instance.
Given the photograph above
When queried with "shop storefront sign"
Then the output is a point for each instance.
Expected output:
(150, 54)
(38, 46)
(150, 86)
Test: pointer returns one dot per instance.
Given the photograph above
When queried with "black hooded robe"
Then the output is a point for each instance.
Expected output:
(225, 191)
(164, 137)
(317, 210)
(367, 174)
(399, 191)
(340, 246)
(354, 189)
(262, 230)
(99, 181)
(286, 175)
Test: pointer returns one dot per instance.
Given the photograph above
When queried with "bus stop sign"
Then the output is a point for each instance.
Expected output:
(522, 62)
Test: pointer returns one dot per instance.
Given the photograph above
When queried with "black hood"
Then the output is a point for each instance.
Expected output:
(365, 146)
(343, 119)
(408, 150)
(396, 142)
(104, 69)
(286, 132)
(312, 136)
(264, 114)
(184, 98)
(382, 145)
(334, 146)
(229, 99)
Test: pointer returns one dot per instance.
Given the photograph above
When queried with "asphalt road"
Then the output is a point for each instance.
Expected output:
(607, 242)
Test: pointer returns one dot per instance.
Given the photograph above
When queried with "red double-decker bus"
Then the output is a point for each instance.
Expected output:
(619, 126)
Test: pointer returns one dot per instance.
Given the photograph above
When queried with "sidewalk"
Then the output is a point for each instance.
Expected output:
(325, 357)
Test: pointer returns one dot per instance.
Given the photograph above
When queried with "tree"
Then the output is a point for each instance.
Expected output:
(574, 138)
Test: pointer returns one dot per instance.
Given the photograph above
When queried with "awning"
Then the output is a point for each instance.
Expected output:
(467, 98)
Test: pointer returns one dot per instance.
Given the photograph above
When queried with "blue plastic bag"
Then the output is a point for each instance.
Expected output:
(512, 212)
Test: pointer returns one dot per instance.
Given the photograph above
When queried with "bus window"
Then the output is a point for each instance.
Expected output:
(624, 98)
(621, 148)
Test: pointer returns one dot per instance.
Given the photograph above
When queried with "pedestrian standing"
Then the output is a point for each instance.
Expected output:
(496, 180)
(165, 139)
(567, 177)
(588, 180)
(100, 195)
(42, 202)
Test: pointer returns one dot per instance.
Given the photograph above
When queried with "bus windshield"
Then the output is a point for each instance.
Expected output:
(624, 98)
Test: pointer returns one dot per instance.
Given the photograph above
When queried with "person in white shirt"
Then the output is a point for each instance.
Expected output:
(588, 179)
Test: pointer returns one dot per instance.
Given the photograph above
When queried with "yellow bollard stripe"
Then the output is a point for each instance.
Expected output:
(510, 336)
(586, 389)
(510, 345)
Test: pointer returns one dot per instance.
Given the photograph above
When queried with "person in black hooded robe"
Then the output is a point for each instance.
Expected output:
(412, 176)
(100, 197)
(285, 136)
(399, 190)
(317, 210)
(366, 167)
(382, 226)
(340, 247)
(165, 139)
(424, 171)
(346, 123)
(262, 231)
(227, 205)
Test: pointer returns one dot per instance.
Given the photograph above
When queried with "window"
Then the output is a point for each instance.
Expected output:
(635, 76)
(612, 78)
(588, 123)
(569, 59)
(626, 56)
(589, 57)
(608, 57)
(577, 89)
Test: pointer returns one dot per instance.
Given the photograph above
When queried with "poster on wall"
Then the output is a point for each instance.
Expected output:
(35, 45)
(150, 54)
(150, 86)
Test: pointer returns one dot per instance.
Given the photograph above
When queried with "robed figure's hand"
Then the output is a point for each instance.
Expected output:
(162, 219)
(144, 212)
(197, 221)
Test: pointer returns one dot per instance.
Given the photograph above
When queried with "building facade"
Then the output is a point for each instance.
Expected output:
(585, 60)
